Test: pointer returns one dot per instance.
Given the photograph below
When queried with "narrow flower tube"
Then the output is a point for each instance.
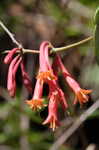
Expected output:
(60, 65)
(42, 60)
(62, 98)
(55, 67)
(80, 94)
(54, 88)
(46, 73)
(8, 57)
(52, 118)
(26, 80)
(10, 82)
(14, 74)
(37, 102)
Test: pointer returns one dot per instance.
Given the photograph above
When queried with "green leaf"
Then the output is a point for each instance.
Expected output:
(97, 43)
(96, 17)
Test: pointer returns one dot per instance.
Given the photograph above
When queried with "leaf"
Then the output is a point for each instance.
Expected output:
(96, 18)
(97, 43)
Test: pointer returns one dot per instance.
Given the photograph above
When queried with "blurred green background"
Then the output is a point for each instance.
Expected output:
(62, 22)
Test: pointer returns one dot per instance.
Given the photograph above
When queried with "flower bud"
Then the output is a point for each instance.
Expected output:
(8, 57)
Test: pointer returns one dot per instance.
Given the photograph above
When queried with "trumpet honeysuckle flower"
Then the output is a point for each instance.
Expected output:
(81, 95)
(37, 102)
(46, 72)
(52, 118)
(11, 83)
(54, 88)
(9, 56)
(26, 80)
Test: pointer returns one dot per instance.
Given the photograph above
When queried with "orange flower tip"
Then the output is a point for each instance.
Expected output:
(36, 104)
(54, 124)
(43, 76)
(86, 91)
(82, 96)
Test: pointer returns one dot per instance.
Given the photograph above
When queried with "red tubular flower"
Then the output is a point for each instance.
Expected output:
(9, 56)
(26, 80)
(11, 83)
(55, 67)
(46, 73)
(62, 98)
(80, 94)
(37, 102)
(52, 118)
(54, 88)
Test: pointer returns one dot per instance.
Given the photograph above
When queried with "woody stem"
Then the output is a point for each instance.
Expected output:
(54, 50)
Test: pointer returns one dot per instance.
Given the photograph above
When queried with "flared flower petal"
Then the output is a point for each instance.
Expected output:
(36, 104)
(81, 95)
(45, 76)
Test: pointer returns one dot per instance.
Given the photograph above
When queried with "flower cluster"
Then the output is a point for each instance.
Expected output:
(48, 74)
(14, 63)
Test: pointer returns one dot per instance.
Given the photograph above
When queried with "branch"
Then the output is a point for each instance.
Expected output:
(72, 45)
(10, 34)
(64, 137)
(54, 50)
(23, 50)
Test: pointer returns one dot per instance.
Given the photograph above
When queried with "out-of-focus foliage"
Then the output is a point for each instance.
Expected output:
(62, 22)
(97, 34)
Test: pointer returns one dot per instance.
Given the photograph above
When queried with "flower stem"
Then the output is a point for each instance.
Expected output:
(54, 50)
(24, 51)
(10, 34)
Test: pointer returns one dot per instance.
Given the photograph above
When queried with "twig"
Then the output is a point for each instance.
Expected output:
(72, 45)
(10, 34)
(24, 51)
(54, 50)
(64, 137)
